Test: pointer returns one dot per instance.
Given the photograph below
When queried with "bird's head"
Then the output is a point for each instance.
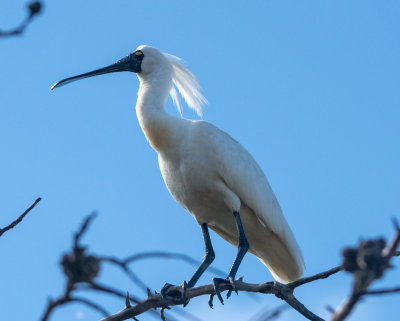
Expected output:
(152, 65)
(153, 61)
(133, 62)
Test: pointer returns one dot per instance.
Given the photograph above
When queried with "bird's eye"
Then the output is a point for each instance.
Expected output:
(139, 55)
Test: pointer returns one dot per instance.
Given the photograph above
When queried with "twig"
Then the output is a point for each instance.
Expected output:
(315, 277)
(67, 298)
(171, 255)
(34, 8)
(383, 291)
(90, 304)
(106, 289)
(52, 304)
(266, 314)
(83, 228)
(123, 264)
(20, 218)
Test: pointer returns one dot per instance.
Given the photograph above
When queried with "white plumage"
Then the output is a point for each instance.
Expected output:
(210, 174)
(207, 172)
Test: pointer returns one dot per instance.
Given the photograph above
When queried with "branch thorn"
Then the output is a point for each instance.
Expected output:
(127, 300)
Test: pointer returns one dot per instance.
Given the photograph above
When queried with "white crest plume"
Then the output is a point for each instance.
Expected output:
(187, 85)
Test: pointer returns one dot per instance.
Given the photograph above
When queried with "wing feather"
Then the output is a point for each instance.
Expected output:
(246, 179)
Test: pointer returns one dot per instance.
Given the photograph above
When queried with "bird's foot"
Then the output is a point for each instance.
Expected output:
(178, 293)
(216, 283)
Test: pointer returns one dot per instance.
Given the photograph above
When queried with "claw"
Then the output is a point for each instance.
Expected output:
(216, 282)
(233, 285)
(162, 313)
(183, 294)
(162, 316)
(210, 301)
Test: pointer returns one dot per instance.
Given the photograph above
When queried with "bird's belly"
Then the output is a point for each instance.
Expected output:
(198, 192)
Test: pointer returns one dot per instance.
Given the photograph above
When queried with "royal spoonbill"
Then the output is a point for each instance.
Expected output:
(208, 172)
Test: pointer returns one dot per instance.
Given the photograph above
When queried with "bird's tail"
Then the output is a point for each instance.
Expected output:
(280, 253)
(284, 265)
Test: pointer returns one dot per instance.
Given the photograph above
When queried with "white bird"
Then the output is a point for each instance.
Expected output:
(208, 172)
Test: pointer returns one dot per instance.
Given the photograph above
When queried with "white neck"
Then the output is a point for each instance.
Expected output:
(156, 123)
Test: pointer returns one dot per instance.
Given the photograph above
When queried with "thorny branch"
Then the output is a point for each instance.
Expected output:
(34, 8)
(367, 262)
(20, 218)
(81, 270)
(282, 291)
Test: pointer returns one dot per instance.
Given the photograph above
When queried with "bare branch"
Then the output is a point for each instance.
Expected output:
(106, 289)
(171, 255)
(123, 264)
(66, 299)
(52, 304)
(368, 262)
(20, 218)
(268, 314)
(83, 228)
(109, 290)
(81, 270)
(90, 304)
(34, 8)
(315, 277)
(383, 291)
(390, 250)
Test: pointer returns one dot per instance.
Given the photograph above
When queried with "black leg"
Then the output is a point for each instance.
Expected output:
(243, 247)
(209, 256)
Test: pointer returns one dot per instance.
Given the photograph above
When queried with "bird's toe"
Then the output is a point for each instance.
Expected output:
(216, 282)
(233, 285)
(178, 293)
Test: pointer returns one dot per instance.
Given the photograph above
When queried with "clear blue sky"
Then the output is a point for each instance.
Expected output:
(311, 89)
